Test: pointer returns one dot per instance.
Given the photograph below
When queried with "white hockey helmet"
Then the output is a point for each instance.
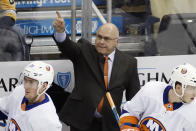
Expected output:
(184, 74)
(40, 71)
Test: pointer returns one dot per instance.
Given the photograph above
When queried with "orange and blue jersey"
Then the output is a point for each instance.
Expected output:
(150, 110)
(24, 117)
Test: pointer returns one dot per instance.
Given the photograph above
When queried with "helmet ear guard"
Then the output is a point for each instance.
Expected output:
(184, 74)
(40, 71)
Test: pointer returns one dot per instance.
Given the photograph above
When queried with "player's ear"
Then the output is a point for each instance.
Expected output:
(178, 88)
(44, 87)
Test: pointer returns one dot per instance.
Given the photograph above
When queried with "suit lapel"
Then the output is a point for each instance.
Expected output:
(115, 69)
(93, 60)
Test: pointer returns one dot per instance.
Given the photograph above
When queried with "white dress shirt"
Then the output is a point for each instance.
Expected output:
(60, 37)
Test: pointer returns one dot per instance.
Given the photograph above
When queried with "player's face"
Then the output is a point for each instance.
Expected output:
(189, 94)
(31, 87)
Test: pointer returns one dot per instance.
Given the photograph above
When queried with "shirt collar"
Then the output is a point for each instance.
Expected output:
(111, 55)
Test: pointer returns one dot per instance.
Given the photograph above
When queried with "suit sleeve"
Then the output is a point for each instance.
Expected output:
(68, 48)
(134, 85)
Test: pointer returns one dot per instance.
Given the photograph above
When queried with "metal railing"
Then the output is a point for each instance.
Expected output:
(73, 20)
(87, 6)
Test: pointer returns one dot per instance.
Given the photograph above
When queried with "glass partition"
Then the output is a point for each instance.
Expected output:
(147, 27)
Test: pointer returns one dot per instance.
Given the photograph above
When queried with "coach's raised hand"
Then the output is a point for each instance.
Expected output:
(59, 23)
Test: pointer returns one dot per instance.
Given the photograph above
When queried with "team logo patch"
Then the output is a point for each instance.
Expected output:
(63, 79)
(13, 126)
(151, 124)
(184, 71)
(47, 68)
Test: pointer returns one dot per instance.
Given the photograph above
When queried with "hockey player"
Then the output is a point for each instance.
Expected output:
(29, 108)
(8, 11)
(162, 107)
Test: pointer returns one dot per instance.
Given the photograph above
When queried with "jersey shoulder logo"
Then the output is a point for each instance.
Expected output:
(13, 126)
(151, 124)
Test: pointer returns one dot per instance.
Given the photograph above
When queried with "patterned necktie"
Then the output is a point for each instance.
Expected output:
(99, 108)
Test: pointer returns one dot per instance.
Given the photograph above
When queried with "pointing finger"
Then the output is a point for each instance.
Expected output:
(58, 14)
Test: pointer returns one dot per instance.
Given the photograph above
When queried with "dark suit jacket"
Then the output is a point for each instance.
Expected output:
(80, 107)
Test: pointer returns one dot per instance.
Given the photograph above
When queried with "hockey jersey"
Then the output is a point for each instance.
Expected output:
(154, 112)
(37, 117)
(9, 8)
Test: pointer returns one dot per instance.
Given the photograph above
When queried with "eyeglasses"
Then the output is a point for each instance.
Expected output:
(107, 39)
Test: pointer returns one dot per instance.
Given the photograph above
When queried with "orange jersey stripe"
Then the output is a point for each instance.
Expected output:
(169, 107)
(128, 119)
(125, 128)
(23, 106)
